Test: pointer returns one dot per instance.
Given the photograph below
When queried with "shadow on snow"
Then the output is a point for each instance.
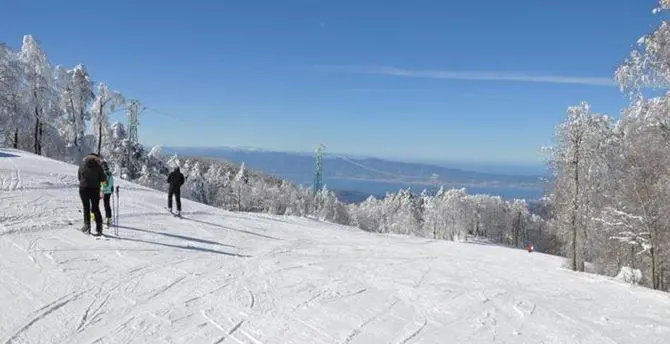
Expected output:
(7, 155)
(203, 241)
(232, 229)
(182, 247)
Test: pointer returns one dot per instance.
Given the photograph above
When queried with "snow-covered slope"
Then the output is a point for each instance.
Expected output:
(216, 276)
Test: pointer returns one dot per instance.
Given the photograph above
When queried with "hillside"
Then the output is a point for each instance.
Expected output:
(216, 276)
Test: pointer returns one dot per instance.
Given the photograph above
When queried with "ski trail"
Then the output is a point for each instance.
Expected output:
(165, 288)
(236, 327)
(586, 327)
(46, 311)
(415, 333)
(13, 182)
(374, 317)
(323, 283)
(84, 318)
(252, 299)
(228, 334)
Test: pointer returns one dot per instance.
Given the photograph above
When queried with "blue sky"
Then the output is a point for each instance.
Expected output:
(441, 80)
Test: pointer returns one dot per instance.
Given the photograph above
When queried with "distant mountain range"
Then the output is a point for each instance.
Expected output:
(355, 178)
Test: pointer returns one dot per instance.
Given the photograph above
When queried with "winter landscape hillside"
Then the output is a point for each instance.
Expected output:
(218, 276)
(374, 176)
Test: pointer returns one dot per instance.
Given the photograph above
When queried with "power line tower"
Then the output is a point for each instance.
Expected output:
(133, 120)
(318, 174)
(134, 110)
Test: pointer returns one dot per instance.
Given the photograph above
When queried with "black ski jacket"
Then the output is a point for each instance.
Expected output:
(91, 173)
(176, 180)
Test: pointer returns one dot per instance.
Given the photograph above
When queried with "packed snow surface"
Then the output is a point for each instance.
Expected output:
(216, 276)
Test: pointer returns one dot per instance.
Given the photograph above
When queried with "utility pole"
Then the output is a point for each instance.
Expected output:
(318, 174)
(133, 122)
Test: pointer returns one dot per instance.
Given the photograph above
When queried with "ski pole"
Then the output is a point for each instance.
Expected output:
(116, 231)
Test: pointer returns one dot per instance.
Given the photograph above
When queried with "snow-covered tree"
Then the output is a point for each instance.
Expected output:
(576, 161)
(241, 189)
(105, 102)
(13, 118)
(41, 97)
(75, 95)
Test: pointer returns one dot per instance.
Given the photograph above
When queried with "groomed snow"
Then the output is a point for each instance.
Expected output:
(216, 276)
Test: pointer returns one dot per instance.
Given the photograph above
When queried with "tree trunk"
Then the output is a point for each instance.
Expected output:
(36, 134)
(74, 123)
(16, 139)
(575, 207)
(654, 273)
(80, 133)
(239, 199)
(100, 128)
(39, 142)
(37, 124)
(99, 137)
(517, 232)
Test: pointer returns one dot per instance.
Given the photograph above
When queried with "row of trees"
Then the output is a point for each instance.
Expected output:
(449, 214)
(611, 198)
(454, 215)
(47, 109)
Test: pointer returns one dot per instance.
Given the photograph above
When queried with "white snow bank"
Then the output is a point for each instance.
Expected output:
(217, 276)
(629, 275)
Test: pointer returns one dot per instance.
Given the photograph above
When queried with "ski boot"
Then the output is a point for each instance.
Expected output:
(109, 221)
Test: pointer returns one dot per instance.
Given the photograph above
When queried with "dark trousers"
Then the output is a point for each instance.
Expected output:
(108, 207)
(177, 195)
(90, 199)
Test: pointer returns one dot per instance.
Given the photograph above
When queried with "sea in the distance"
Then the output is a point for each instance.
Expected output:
(361, 189)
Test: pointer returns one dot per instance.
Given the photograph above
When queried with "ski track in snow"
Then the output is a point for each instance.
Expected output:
(217, 277)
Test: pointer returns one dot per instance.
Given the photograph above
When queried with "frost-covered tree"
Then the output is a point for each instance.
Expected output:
(105, 102)
(576, 162)
(643, 178)
(611, 196)
(643, 165)
(328, 208)
(75, 95)
(366, 215)
(519, 212)
(240, 187)
(13, 118)
(41, 97)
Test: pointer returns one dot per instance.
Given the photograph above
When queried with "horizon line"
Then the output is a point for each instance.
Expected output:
(363, 156)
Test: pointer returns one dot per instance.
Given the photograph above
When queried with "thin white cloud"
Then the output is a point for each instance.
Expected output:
(485, 76)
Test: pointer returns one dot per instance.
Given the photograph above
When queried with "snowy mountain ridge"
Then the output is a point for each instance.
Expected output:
(218, 276)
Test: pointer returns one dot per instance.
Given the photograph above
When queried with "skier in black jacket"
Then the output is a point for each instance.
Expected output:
(176, 180)
(91, 175)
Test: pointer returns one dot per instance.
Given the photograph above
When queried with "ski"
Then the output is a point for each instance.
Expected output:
(173, 213)
(97, 237)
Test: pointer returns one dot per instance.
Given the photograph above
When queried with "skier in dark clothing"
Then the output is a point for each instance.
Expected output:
(91, 176)
(176, 180)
